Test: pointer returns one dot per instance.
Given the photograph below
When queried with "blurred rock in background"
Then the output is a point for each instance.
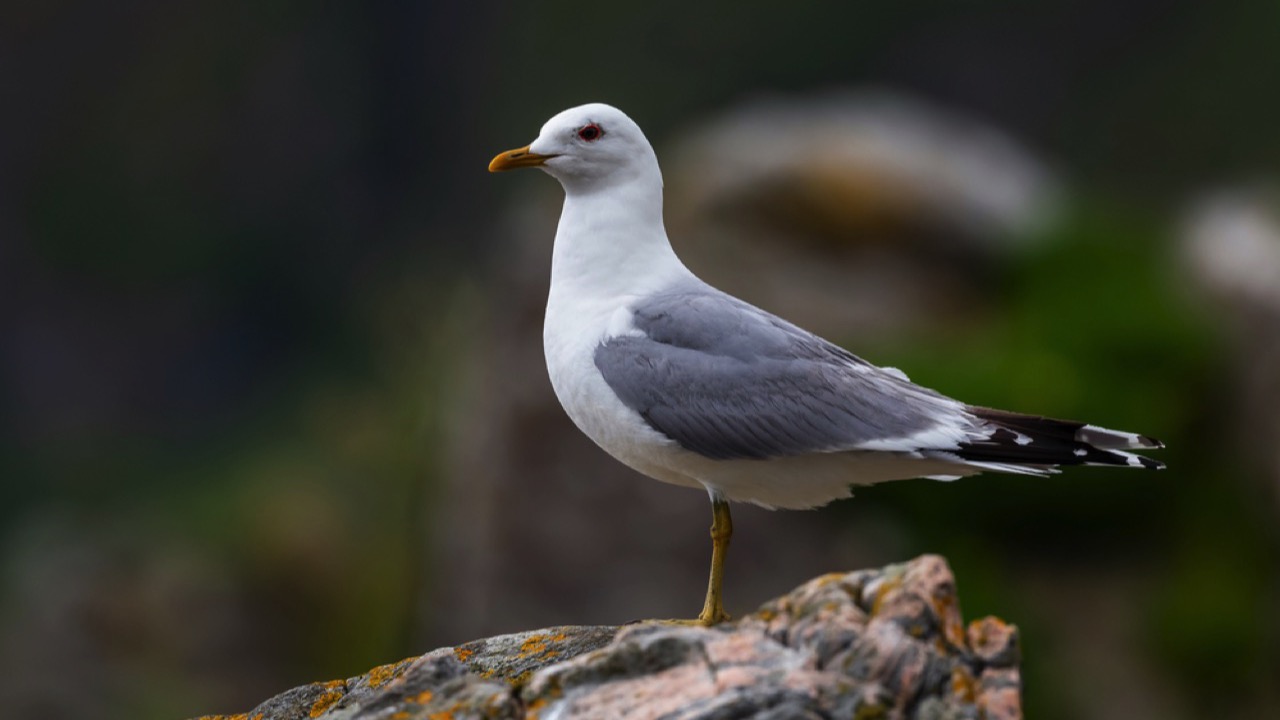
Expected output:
(100, 608)
(884, 213)
(862, 164)
(1231, 245)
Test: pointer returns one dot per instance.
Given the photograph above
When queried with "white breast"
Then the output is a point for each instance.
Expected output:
(610, 249)
(574, 327)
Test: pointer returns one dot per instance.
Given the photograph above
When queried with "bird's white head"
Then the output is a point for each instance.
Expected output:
(587, 148)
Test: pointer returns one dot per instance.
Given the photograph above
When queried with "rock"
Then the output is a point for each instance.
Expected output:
(860, 161)
(1231, 247)
(885, 643)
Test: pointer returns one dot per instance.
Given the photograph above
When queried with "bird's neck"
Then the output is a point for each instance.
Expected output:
(612, 242)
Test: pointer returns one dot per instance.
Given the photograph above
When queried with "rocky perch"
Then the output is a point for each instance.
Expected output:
(885, 643)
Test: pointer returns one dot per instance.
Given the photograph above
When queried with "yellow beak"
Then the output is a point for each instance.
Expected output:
(518, 158)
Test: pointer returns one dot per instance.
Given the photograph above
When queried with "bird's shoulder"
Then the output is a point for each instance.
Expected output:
(699, 317)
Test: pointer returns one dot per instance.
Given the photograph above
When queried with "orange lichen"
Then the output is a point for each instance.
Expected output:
(981, 629)
(421, 698)
(333, 692)
(383, 674)
(531, 711)
(463, 654)
(948, 611)
(962, 685)
(989, 635)
(535, 644)
(446, 714)
(882, 592)
(828, 579)
(540, 645)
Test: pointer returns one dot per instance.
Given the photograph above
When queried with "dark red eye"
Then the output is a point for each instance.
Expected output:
(590, 132)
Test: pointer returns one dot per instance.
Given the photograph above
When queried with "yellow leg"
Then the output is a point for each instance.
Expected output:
(721, 530)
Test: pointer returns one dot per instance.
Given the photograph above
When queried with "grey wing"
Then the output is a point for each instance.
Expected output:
(728, 380)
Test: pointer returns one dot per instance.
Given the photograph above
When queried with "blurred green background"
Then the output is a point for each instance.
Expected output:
(251, 263)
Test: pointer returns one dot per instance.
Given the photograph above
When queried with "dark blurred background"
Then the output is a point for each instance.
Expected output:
(274, 407)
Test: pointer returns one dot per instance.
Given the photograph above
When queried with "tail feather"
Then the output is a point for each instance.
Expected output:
(1017, 439)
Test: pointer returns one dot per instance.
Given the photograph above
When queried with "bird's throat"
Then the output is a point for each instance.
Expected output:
(610, 243)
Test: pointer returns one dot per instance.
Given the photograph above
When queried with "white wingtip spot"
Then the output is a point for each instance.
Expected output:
(1109, 439)
(1131, 460)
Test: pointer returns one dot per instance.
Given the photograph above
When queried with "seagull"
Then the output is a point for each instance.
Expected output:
(694, 387)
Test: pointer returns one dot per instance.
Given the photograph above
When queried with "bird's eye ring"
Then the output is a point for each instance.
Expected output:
(590, 132)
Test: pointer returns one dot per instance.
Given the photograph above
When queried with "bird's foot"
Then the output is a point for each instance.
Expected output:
(699, 621)
(712, 616)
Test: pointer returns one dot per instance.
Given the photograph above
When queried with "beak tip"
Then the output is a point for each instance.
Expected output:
(514, 159)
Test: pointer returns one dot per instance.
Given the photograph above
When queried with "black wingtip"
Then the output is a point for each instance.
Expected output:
(1029, 439)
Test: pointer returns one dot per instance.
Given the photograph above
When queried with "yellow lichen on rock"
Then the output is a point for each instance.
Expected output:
(962, 684)
(532, 709)
(534, 645)
(421, 698)
(333, 692)
(383, 674)
(882, 592)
